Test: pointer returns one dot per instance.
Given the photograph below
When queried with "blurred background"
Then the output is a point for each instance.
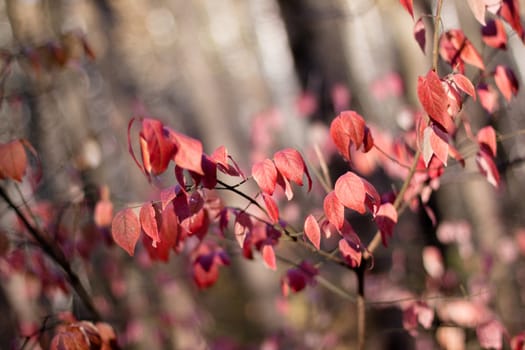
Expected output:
(255, 76)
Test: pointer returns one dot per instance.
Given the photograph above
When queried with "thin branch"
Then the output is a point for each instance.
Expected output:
(54, 252)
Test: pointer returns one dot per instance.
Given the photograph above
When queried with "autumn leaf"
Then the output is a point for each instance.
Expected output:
(189, 152)
(506, 81)
(271, 206)
(435, 142)
(488, 97)
(13, 160)
(157, 150)
(420, 33)
(356, 193)
(487, 137)
(510, 12)
(312, 231)
(487, 167)
(457, 50)
(433, 98)
(348, 129)
(265, 174)
(464, 84)
(386, 220)
(268, 256)
(291, 165)
(494, 34)
(125, 230)
(148, 222)
(103, 213)
(334, 210)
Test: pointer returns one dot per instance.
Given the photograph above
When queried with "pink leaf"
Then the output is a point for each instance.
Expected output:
(494, 34)
(433, 98)
(334, 210)
(265, 174)
(490, 334)
(420, 33)
(189, 152)
(148, 222)
(487, 167)
(464, 84)
(271, 206)
(386, 220)
(510, 12)
(291, 165)
(356, 193)
(125, 230)
(269, 257)
(506, 81)
(348, 129)
(156, 148)
(487, 136)
(351, 251)
(435, 141)
(488, 97)
(312, 231)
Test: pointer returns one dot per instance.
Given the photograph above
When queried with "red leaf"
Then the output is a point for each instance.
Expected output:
(242, 226)
(334, 210)
(417, 313)
(490, 334)
(510, 12)
(269, 257)
(265, 174)
(350, 191)
(220, 156)
(157, 150)
(356, 193)
(126, 230)
(433, 98)
(409, 6)
(13, 160)
(351, 251)
(168, 194)
(464, 84)
(148, 222)
(487, 167)
(348, 129)
(189, 152)
(312, 231)
(271, 206)
(386, 220)
(103, 214)
(478, 8)
(494, 34)
(297, 278)
(420, 33)
(488, 97)
(291, 165)
(506, 81)
(285, 185)
(435, 142)
(456, 49)
(487, 136)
